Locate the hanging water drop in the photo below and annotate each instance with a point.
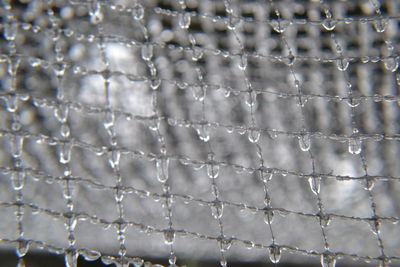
(243, 61)
(305, 142)
(10, 31)
(251, 98)
(96, 16)
(268, 215)
(391, 64)
(199, 92)
(353, 102)
(327, 260)
(162, 169)
(172, 259)
(232, 22)
(225, 244)
(342, 64)
(147, 52)
(23, 247)
(217, 209)
(370, 184)
(59, 68)
(90, 255)
(315, 184)
(18, 180)
(71, 258)
(169, 237)
(11, 103)
(137, 11)
(203, 132)
(109, 119)
(212, 167)
(21, 262)
(279, 26)
(290, 59)
(61, 113)
(197, 53)
(65, 153)
(114, 157)
(325, 220)
(223, 263)
(275, 254)
(380, 25)
(17, 146)
(329, 24)
(355, 146)
(254, 135)
(65, 131)
(184, 20)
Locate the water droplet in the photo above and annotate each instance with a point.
(114, 157)
(342, 64)
(329, 24)
(273, 134)
(197, 53)
(109, 119)
(305, 142)
(90, 255)
(155, 83)
(249, 244)
(223, 263)
(275, 254)
(172, 259)
(96, 16)
(268, 216)
(71, 258)
(254, 135)
(355, 146)
(327, 260)
(370, 184)
(225, 244)
(212, 167)
(290, 59)
(251, 98)
(391, 64)
(137, 262)
(147, 52)
(65, 131)
(243, 61)
(65, 153)
(59, 68)
(10, 31)
(21, 262)
(61, 113)
(35, 62)
(169, 237)
(199, 92)
(380, 25)
(17, 146)
(203, 131)
(23, 247)
(11, 103)
(325, 219)
(13, 66)
(232, 22)
(315, 184)
(18, 180)
(137, 11)
(184, 20)
(217, 209)
(279, 26)
(162, 169)
(353, 102)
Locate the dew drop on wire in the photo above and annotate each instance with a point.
(275, 254)
(147, 52)
(325, 220)
(254, 135)
(342, 64)
(71, 258)
(137, 11)
(315, 184)
(197, 53)
(22, 248)
(114, 157)
(243, 61)
(212, 167)
(251, 98)
(217, 209)
(90, 255)
(96, 15)
(162, 165)
(355, 146)
(328, 260)
(268, 216)
(391, 64)
(65, 153)
(203, 132)
(65, 131)
(199, 92)
(184, 20)
(17, 146)
(329, 24)
(305, 142)
(18, 180)
(169, 237)
(380, 25)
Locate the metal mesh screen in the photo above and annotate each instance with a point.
(226, 130)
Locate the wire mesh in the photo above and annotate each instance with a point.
(219, 130)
